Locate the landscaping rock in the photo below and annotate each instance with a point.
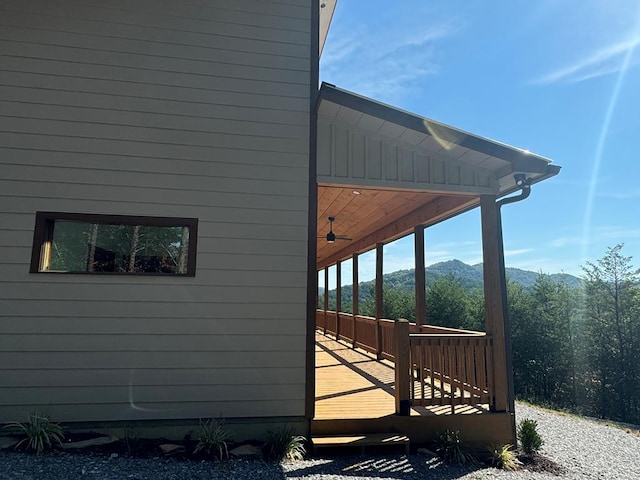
(92, 442)
(426, 452)
(246, 450)
(8, 442)
(171, 449)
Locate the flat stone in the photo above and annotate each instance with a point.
(171, 449)
(246, 450)
(8, 442)
(426, 452)
(92, 442)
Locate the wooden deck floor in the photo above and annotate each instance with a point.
(351, 384)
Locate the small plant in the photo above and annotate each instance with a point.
(40, 432)
(212, 439)
(451, 449)
(504, 456)
(282, 445)
(130, 438)
(529, 438)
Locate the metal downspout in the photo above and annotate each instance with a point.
(526, 191)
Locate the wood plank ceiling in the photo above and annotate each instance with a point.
(369, 216)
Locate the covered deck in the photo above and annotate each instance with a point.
(353, 384)
(383, 174)
(356, 389)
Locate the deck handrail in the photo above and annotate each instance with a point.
(373, 335)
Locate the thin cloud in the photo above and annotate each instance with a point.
(561, 242)
(621, 195)
(513, 253)
(604, 61)
(606, 234)
(617, 234)
(453, 245)
(544, 265)
(384, 62)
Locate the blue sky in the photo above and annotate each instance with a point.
(558, 77)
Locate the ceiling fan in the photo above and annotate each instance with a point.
(332, 237)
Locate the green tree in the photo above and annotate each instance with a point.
(447, 304)
(523, 342)
(398, 302)
(474, 319)
(611, 296)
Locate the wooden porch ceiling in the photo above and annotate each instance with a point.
(374, 215)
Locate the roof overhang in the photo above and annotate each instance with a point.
(343, 109)
(407, 171)
(327, 7)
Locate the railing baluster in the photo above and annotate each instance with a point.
(421, 377)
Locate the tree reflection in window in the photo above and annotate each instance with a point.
(115, 244)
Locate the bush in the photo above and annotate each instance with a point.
(528, 436)
(131, 439)
(212, 439)
(282, 445)
(449, 446)
(40, 432)
(504, 456)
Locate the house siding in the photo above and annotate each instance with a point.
(186, 108)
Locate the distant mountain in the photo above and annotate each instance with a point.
(470, 276)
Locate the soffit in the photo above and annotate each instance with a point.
(327, 7)
(433, 138)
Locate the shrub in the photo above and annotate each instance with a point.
(212, 439)
(504, 456)
(131, 439)
(528, 436)
(40, 432)
(449, 446)
(282, 445)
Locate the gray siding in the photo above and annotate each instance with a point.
(185, 108)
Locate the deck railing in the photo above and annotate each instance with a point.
(451, 369)
(436, 365)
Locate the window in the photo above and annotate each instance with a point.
(114, 244)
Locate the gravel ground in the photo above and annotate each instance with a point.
(584, 448)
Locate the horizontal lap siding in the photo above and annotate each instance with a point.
(186, 108)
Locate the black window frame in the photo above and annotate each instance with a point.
(43, 235)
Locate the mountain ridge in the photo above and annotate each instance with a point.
(470, 276)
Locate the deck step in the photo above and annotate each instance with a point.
(362, 440)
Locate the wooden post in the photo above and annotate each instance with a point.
(356, 292)
(421, 296)
(317, 304)
(403, 384)
(326, 297)
(338, 297)
(495, 300)
(379, 298)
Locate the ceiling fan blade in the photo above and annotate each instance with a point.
(343, 237)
